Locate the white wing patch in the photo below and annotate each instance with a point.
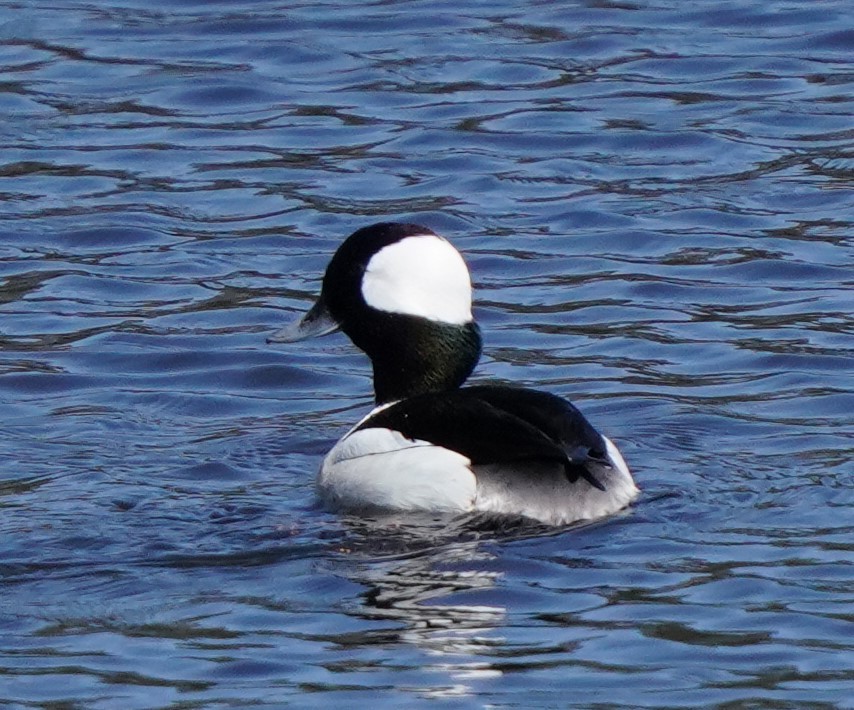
(420, 276)
(381, 468)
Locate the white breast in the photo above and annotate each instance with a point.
(380, 468)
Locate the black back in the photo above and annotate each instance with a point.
(497, 424)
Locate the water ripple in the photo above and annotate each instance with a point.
(655, 203)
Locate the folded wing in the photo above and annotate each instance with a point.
(498, 425)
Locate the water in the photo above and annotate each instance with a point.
(656, 203)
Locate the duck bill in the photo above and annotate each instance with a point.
(318, 321)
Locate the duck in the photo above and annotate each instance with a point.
(403, 295)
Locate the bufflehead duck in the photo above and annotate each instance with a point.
(403, 295)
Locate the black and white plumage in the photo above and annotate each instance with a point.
(403, 296)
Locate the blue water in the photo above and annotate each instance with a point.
(656, 200)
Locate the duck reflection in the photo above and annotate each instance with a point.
(418, 572)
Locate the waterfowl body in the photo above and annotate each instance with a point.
(403, 296)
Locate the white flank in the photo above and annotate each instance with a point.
(420, 276)
(380, 468)
(542, 491)
(619, 462)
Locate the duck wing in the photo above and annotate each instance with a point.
(498, 424)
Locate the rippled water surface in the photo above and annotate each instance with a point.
(656, 202)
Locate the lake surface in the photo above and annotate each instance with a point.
(656, 200)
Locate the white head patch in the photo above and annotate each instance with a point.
(420, 276)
